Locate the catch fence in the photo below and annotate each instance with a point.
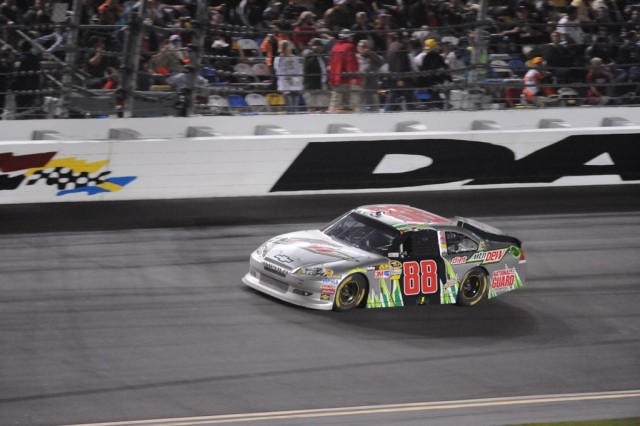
(138, 69)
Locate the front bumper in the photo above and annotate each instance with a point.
(284, 292)
(307, 295)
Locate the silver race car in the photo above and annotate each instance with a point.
(388, 256)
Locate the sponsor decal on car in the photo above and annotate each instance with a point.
(325, 297)
(395, 264)
(327, 289)
(382, 274)
(334, 281)
(380, 296)
(459, 260)
(485, 257)
(278, 270)
(283, 258)
(504, 280)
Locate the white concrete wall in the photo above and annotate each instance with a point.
(238, 163)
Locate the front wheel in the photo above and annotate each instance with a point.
(350, 293)
(472, 288)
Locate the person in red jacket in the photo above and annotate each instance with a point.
(343, 78)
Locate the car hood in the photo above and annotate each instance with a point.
(310, 248)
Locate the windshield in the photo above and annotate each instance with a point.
(362, 232)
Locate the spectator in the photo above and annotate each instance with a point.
(9, 12)
(36, 15)
(633, 23)
(400, 68)
(304, 30)
(271, 13)
(98, 64)
(271, 42)
(560, 58)
(628, 56)
(570, 28)
(54, 42)
(171, 57)
(338, 16)
(291, 12)
(362, 29)
(533, 94)
(448, 16)
(603, 25)
(599, 48)
(6, 67)
(344, 83)
(600, 82)
(179, 81)
(27, 79)
(383, 28)
(288, 69)
(524, 29)
(433, 71)
(584, 11)
(423, 13)
(316, 94)
(369, 63)
(454, 61)
(250, 13)
(110, 12)
(156, 14)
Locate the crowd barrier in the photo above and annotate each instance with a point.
(195, 157)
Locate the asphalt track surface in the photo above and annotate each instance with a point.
(116, 312)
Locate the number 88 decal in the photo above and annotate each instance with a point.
(421, 278)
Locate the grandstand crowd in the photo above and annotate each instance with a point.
(332, 55)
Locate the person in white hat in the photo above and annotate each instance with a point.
(343, 74)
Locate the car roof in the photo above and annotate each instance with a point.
(403, 217)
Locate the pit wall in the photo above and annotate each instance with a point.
(162, 158)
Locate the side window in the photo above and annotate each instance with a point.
(423, 245)
(459, 243)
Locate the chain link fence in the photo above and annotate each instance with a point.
(203, 66)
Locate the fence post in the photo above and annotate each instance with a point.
(479, 52)
(199, 25)
(70, 56)
(129, 70)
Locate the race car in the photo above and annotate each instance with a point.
(388, 255)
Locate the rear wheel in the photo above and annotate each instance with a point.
(473, 287)
(350, 293)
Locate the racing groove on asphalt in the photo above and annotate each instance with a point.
(138, 312)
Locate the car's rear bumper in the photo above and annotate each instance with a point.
(283, 291)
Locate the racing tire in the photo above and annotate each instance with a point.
(350, 293)
(473, 287)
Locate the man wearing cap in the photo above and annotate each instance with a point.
(532, 93)
(343, 78)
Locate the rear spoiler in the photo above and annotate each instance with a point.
(485, 231)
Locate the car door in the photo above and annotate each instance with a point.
(423, 269)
